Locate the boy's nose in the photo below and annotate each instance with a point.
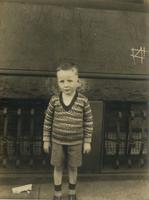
(65, 84)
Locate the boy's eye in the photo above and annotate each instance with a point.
(69, 81)
(61, 81)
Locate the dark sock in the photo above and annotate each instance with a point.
(72, 188)
(58, 190)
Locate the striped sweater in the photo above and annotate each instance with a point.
(68, 125)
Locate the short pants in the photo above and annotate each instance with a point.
(66, 155)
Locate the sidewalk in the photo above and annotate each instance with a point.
(88, 189)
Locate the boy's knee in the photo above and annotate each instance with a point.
(72, 168)
(58, 168)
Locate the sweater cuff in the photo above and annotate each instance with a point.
(46, 140)
(46, 137)
(87, 140)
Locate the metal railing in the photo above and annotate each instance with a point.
(21, 134)
(126, 137)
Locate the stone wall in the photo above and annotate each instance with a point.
(95, 89)
(37, 37)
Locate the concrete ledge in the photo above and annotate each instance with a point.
(94, 177)
(92, 75)
(138, 6)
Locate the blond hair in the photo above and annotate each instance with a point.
(67, 66)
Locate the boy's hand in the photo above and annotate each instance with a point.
(86, 148)
(46, 146)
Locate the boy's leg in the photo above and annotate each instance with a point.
(58, 172)
(74, 161)
(72, 172)
(57, 160)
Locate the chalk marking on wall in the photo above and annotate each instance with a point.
(138, 54)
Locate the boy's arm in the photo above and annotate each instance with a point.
(88, 127)
(47, 127)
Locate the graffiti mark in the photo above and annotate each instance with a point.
(138, 54)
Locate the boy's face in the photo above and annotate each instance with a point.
(67, 81)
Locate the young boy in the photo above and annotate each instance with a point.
(68, 128)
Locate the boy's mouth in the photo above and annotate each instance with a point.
(67, 90)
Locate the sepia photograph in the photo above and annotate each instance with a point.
(74, 99)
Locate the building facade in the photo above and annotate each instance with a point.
(109, 42)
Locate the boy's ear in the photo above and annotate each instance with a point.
(79, 82)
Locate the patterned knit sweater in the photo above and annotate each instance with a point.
(68, 125)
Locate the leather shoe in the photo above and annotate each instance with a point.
(72, 197)
(57, 198)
